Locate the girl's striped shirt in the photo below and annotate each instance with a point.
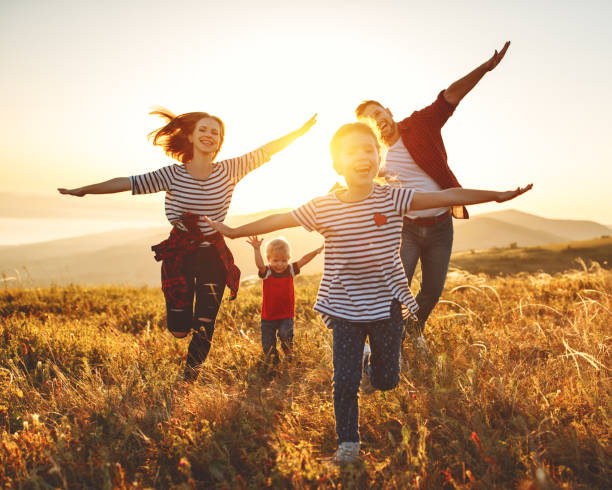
(209, 197)
(363, 270)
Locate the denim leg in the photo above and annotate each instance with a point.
(268, 337)
(410, 249)
(349, 340)
(285, 334)
(435, 258)
(385, 342)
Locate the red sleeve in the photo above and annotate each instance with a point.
(435, 115)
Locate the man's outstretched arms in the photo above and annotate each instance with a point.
(459, 89)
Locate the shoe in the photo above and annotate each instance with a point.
(347, 453)
(365, 386)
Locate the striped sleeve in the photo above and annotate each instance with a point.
(401, 197)
(238, 167)
(156, 181)
(306, 216)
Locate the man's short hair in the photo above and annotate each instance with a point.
(361, 107)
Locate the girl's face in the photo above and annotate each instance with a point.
(358, 159)
(206, 136)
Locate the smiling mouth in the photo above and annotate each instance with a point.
(207, 142)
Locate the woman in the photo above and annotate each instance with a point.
(196, 260)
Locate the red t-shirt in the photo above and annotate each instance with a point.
(278, 295)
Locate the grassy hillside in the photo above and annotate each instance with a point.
(551, 259)
(517, 393)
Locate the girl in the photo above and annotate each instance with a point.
(196, 259)
(363, 285)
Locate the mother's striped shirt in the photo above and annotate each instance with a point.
(209, 197)
(363, 270)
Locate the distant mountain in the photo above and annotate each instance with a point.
(125, 257)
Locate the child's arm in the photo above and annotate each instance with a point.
(308, 257)
(458, 197)
(277, 145)
(260, 227)
(255, 242)
(118, 184)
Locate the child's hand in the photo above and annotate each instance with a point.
(255, 242)
(506, 196)
(220, 227)
(72, 192)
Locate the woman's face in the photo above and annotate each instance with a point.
(206, 136)
(358, 159)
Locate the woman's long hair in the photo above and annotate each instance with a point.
(174, 136)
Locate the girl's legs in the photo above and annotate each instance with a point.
(385, 342)
(209, 288)
(349, 339)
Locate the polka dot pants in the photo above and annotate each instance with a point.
(349, 339)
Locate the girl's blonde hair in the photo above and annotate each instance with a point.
(174, 136)
(279, 244)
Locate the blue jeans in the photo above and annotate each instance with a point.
(433, 246)
(349, 339)
(270, 329)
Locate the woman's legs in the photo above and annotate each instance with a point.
(209, 288)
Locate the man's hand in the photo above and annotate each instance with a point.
(255, 242)
(506, 196)
(497, 57)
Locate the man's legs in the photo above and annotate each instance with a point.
(435, 257)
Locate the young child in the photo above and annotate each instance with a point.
(278, 299)
(363, 284)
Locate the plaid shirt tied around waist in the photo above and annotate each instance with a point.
(172, 251)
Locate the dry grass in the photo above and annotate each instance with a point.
(516, 394)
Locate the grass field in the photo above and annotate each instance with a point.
(516, 394)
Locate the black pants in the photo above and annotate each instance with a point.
(205, 275)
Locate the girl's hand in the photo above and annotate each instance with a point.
(220, 227)
(506, 196)
(79, 192)
(255, 242)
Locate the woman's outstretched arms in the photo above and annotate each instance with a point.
(462, 197)
(277, 145)
(260, 227)
(118, 184)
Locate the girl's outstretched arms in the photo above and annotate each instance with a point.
(261, 226)
(118, 184)
(277, 145)
(462, 197)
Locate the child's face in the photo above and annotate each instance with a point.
(358, 159)
(278, 260)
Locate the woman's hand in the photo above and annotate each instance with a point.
(507, 195)
(306, 127)
(255, 242)
(220, 227)
(79, 192)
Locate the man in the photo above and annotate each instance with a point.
(417, 158)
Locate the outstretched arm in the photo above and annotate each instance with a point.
(118, 184)
(308, 257)
(255, 242)
(261, 226)
(459, 89)
(462, 197)
(279, 144)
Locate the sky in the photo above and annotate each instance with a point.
(78, 79)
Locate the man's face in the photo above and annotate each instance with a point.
(382, 117)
